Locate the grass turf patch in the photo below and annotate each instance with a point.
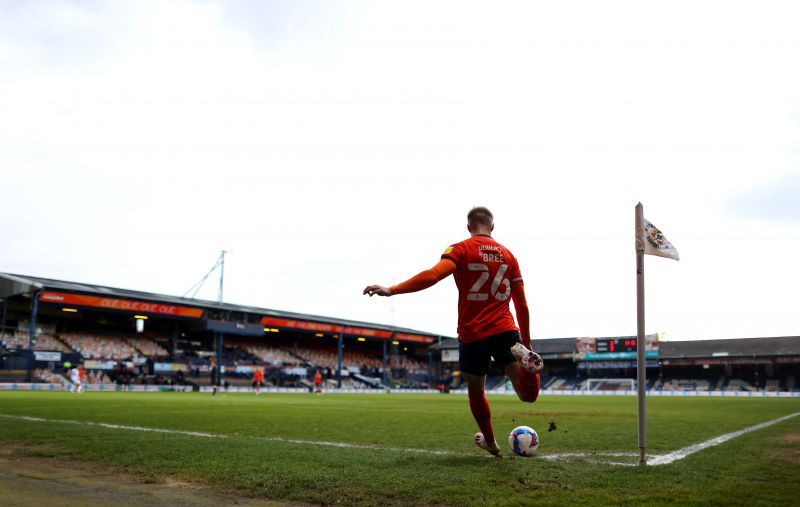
(755, 468)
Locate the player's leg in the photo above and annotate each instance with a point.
(479, 406)
(526, 383)
(474, 359)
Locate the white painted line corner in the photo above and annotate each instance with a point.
(674, 456)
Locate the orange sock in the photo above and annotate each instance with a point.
(529, 385)
(481, 412)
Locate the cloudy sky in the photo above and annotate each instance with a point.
(330, 145)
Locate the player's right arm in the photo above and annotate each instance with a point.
(418, 282)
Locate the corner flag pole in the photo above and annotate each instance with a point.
(641, 378)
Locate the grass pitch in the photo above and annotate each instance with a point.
(261, 452)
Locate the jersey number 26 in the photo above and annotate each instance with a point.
(475, 293)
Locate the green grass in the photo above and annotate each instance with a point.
(762, 467)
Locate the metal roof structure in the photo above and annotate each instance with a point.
(14, 284)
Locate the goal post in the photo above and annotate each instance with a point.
(627, 384)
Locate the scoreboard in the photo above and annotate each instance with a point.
(617, 347)
(603, 345)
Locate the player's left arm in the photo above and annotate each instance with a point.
(418, 282)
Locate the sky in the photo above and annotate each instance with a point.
(331, 145)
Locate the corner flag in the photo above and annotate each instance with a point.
(655, 243)
(650, 241)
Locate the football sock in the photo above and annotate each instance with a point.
(480, 411)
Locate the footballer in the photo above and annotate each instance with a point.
(488, 278)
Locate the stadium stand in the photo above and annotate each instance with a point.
(19, 340)
(45, 376)
(733, 365)
(265, 353)
(147, 347)
(291, 347)
(99, 347)
(98, 377)
(327, 357)
(740, 385)
(348, 383)
(95, 324)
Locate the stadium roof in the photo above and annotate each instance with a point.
(12, 284)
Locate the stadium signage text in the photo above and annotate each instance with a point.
(323, 327)
(119, 304)
(46, 356)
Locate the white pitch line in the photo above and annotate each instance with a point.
(592, 457)
(686, 451)
(114, 426)
(567, 455)
(148, 429)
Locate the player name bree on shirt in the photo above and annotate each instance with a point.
(491, 257)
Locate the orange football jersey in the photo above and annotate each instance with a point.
(485, 270)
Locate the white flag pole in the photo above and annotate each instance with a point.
(641, 378)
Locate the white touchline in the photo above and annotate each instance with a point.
(113, 426)
(686, 451)
(345, 445)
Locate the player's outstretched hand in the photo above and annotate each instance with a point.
(377, 290)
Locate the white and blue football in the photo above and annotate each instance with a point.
(524, 441)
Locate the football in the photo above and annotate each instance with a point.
(524, 441)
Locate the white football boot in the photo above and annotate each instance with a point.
(492, 448)
(528, 359)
